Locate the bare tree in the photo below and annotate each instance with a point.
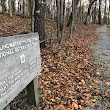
(87, 21)
(39, 20)
(99, 14)
(76, 2)
(105, 13)
(3, 2)
(72, 27)
(11, 4)
(30, 8)
(20, 7)
(109, 14)
(25, 8)
(82, 12)
(95, 12)
(60, 19)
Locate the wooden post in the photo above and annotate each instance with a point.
(33, 92)
(7, 108)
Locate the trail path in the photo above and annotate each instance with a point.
(101, 54)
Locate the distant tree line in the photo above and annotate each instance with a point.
(17, 7)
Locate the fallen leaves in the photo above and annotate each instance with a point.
(12, 26)
(75, 105)
(66, 81)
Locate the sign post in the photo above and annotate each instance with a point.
(19, 64)
(33, 93)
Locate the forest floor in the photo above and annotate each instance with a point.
(12, 26)
(68, 80)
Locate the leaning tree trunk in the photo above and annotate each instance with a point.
(39, 20)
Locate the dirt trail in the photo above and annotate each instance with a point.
(101, 53)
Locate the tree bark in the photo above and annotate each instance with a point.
(25, 9)
(87, 21)
(32, 14)
(3, 6)
(105, 13)
(82, 13)
(29, 8)
(76, 2)
(39, 20)
(10, 8)
(99, 15)
(20, 7)
(109, 15)
(60, 19)
(95, 12)
(72, 27)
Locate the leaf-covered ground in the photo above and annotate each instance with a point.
(68, 79)
(12, 26)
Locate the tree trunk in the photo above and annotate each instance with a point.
(20, 7)
(39, 20)
(10, 8)
(60, 19)
(76, 2)
(3, 6)
(29, 8)
(99, 15)
(32, 14)
(46, 8)
(87, 21)
(105, 13)
(72, 27)
(80, 19)
(109, 15)
(25, 8)
(95, 13)
(82, 13)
